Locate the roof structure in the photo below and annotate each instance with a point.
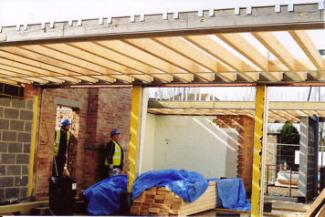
(278, 111)
(200, 47)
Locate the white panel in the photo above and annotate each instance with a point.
(194, 143)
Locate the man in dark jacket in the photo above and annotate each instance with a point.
(61, 148)
(114, 155)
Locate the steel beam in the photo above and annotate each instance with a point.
(135, 128)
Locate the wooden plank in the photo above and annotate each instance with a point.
(304, 16)
(130, 51)
(317, 205)
(23, 208)
(186, 49)
(297, 76)
(103, 51)
(160, 51)
(206, 43)
(29, 73)
(105, 66)
(28, 68)
(308, 47)
(27, 60)
(276, 48)
(14, 75)
(241, 45)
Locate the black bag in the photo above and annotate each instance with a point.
(62, 190)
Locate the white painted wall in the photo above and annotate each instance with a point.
(148, 144)
(190, 142)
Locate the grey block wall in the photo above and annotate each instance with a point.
(308, 169)
(16, 117)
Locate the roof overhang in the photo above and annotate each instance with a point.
(168, 48)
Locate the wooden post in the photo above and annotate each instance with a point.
(33, 145)
(260, 134)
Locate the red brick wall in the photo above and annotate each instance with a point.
(245, 128)
(100, 110)
(113, 111)
(44, 155)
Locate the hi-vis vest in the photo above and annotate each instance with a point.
(57, 142)
(117, 157)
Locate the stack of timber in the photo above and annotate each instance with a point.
(163, 202)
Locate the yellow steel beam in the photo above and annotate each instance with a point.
(33, 145)
(259, 140)
(134, 132)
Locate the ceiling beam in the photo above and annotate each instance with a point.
(103, 51)
(154, 48)
(268, 40)
(304, 16)
(206, 43)
(35, 59)
(132, 52)
(241, 45)
(309, 48)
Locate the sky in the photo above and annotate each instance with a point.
(13, 12)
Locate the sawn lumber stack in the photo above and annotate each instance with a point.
(163, 202)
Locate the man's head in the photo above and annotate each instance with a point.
(115, 135)
(65, 124)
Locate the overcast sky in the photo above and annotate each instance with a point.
(13, 12)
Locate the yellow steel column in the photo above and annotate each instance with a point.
(134, 133)
(259, 139)
(33, 145)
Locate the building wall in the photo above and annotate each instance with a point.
(99, 110)
(16, 117)
(244, 125)
(147, 155)
(190, 142)
(50, 98)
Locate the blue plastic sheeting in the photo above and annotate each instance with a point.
(232, 194)
(104, 196)
(186, 184)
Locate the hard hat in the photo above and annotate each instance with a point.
(115, 132)
(65, 122)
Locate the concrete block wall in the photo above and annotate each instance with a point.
(16, 117)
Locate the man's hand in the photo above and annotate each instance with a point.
(66, 172)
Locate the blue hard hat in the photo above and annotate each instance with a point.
(65, 122)
(115, 132)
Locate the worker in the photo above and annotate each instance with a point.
(61, 149)
(114, 155)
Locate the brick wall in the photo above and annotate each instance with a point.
(16, 117)
(245, 127)
(44, 155)
(99, 111)
(109, 108)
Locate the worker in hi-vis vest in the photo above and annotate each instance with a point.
(113, 155)
(61, 149)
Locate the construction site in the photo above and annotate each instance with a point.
(210, 112)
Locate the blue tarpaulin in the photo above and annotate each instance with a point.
(232, 194)
(188, 185)
(104, 196)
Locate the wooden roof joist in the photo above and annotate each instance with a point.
(278, 111)
(191, 48)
